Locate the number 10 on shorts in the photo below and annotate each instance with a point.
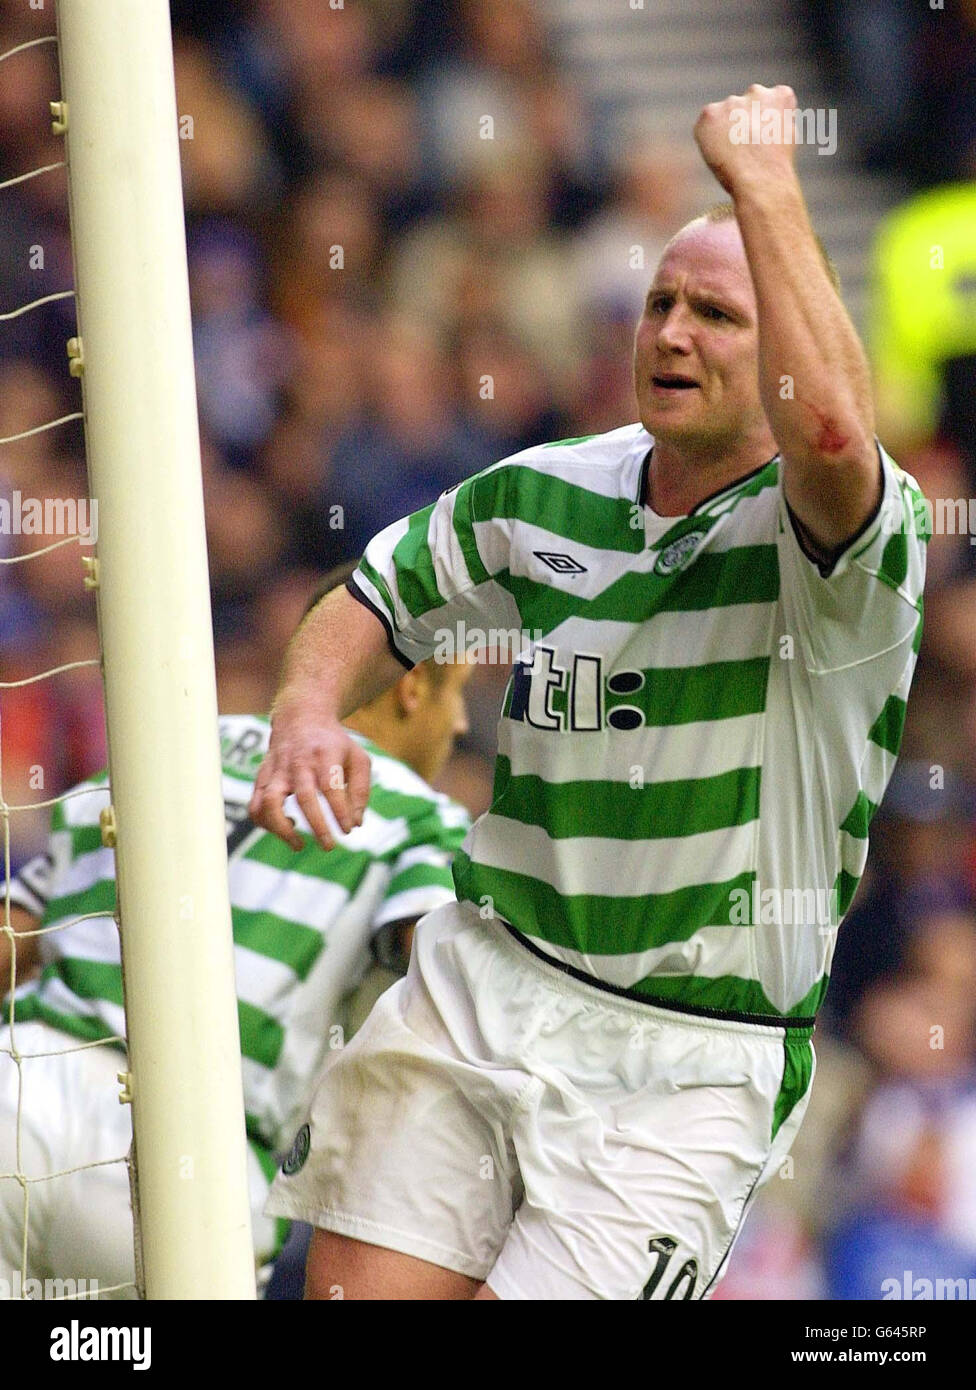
(663, 1247)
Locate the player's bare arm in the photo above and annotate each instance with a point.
(813, 374)
(338, 660)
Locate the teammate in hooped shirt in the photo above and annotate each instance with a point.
(307, 928)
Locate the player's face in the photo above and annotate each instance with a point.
(696, 364)
(445, 717)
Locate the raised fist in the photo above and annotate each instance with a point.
(749, 138)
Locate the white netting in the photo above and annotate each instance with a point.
(33, 1275)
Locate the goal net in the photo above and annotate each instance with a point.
(147, 569)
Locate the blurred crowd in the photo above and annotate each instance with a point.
(880, 1190)
(414, 249)
(909, 70)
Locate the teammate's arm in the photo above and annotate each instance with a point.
(813, 373)
(338, 660)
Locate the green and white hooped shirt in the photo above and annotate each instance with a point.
(700, 726)
(304, 923)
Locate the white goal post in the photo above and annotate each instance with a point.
(136, 362)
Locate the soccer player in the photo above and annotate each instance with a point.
(604, 1047)
(307, 927)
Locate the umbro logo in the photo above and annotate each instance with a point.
(562, 564)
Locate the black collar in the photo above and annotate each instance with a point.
(728, 487)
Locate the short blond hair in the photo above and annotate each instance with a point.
(725, 212)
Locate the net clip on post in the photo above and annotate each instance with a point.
(59, 117)
(90, 565)
(106, 822)
(76, 356)
(124, 1079)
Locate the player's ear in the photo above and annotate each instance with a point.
(408, 692)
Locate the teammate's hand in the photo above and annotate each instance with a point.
(750, 137)
(310, 755)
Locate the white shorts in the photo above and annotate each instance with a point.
(79, 1225)
(499, 1118)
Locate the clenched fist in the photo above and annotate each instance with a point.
(750, 138)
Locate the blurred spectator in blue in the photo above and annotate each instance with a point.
(914, 1220)
(498, 84)
(228, 165)
(327, 246)
(28, 398)
(869, 54)
(413, 32)
(324, 398)
(504, 390)
(496, 257)
(242, 358)
(921, 843)
(560, 126)
(246, 540)
(918, 1023)
(909, 71)
(372, 132)
(293, 59)
(35, 250)
(884, 1253)
(410, 442)
(909, 1176)
(603, 389)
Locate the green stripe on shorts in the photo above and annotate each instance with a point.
(797, 1071)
